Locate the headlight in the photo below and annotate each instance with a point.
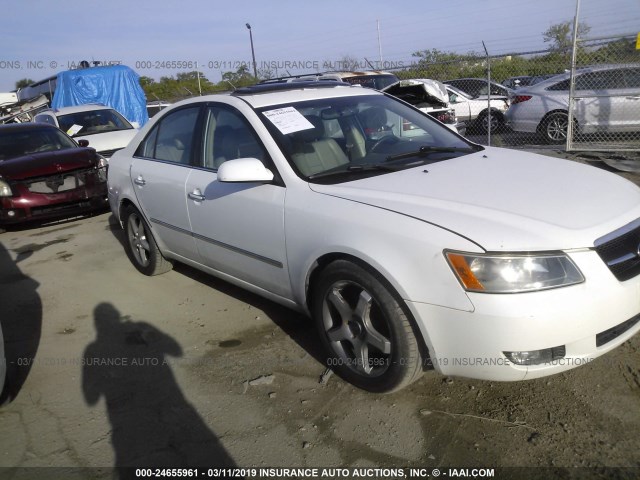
(103, 162)
(513, 272)
(5, 189)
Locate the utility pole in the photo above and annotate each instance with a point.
(253, 53)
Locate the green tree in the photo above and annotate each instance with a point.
(560, 35)
(240, 78)
(23, 82)
(146, 81)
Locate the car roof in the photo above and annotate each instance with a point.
(298, 92)
(9, 127)
(264, 95)
(361, 73)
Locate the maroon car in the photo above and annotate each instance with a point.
(44, 175)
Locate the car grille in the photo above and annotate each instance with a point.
(605, 337)
(62, 182)
(620, 250)
(61, 208)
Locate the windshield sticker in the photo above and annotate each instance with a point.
(74, 129)
(288, 120)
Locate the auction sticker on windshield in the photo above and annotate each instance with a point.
(288, 120)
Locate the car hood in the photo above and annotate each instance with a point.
(47, 163)
(504, 200)
(108, 140)
(419, 90)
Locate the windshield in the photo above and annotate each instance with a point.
(92, 121)
(341, 139)
(18, 143)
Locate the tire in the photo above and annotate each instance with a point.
(141, 247)
(497, 121)
(365, 328)
(554, 128)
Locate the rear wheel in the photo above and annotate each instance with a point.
(497, 121)
(554, 128)
(141, 246)
(365, 329)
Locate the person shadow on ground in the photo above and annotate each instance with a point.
(152, 424)
(20, 324)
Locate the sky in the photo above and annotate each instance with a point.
(43, 37)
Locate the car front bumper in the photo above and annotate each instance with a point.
(580, 321)
(27, 206)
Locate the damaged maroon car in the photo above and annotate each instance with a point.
(45, 175)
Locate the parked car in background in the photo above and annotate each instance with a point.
(407, 252)
(608, 101)
(475, 112)
(45, 175)
(375, 79)
(477, 87)
(517, 82)
(541, 78)
(431, 97)
(103, 127)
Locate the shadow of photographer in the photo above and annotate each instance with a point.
(152, 423)
(20, 323)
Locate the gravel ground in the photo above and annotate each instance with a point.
(210, 373)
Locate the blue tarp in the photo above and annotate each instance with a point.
(116, 86)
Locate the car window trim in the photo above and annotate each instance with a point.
(277, 178)
(157, 126)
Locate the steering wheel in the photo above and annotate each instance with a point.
(390, 139)
(43, 148)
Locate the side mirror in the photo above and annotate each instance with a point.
(244, 170)
(83, 143)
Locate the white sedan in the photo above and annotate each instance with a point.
(606, 102)
(409, 253)
(478, 111)
(101, 127)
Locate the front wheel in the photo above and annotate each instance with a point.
(141, 246)
(367, 333)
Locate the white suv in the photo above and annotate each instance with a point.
(103, 127)
(408, 253)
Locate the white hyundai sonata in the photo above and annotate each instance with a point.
(410, 247)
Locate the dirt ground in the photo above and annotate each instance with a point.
(118, 369)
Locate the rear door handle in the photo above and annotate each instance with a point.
(140, 181)
(196, 195)
(633, 98)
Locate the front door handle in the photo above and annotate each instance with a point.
(140, 181)
(196, 195)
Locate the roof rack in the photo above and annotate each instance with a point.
(281, 85)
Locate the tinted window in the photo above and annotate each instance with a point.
(173, 137)
(560, 86)
(228, 136)
(601, 80)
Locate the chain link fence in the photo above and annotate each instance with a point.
(537, 98)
